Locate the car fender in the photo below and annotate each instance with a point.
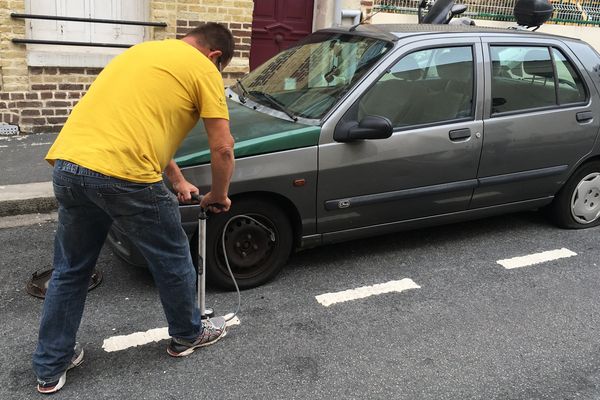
(287, 177)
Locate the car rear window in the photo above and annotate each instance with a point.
(570, 86)
(532, 77)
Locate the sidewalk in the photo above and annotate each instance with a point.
(25, 178)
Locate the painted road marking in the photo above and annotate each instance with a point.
(537, 258)
(328, 299)
(122, 342)
(231, 321)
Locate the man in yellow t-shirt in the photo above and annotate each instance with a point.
(108, 164)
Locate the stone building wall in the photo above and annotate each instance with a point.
(183, 15)
(39, 99)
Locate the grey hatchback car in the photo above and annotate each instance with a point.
(379, 128)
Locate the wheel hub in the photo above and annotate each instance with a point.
(247, 243)
(585, 202)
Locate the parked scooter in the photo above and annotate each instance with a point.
(442, 12)
(528, 13)
(532, 13)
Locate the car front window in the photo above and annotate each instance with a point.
(307, 80)
(424, 87)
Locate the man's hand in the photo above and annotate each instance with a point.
(184, 190)
(210, 200)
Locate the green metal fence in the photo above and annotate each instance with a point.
(571, 12)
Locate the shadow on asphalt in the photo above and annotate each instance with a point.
(414, 239)
(401, 241)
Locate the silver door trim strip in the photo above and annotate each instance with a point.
(370, 199)
(522, 176)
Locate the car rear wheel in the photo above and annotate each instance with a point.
(258, 241)
(577, 205)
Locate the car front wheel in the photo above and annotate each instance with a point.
(577, 205)
(258, 241)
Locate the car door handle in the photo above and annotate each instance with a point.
(459, 134)
(585, 116)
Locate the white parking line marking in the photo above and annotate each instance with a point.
(328, 299)
(537, 258)
(122, 342)
(233, 321)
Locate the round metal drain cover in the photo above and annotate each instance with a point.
(38, 283)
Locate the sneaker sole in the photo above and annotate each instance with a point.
(63, 378)
(192, 349)
(76, 362)
(61, 382)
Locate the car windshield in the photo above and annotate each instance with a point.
(308, 79)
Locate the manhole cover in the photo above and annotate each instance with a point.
(38, 283)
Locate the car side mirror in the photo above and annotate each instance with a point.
(370, 127)
(458, 9)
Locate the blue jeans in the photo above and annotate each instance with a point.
(89, 203)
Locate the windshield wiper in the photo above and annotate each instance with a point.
(244, 91)
(273, 102)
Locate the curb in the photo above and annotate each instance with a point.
(27, 198)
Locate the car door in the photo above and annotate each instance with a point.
(538, 123)
(428, 166)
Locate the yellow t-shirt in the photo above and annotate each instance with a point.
(138, 110)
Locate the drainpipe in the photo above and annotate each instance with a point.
(339, 14)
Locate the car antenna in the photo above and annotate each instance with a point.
(362, 21)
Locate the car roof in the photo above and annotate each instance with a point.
(394, 32)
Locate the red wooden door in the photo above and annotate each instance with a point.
(276, 25)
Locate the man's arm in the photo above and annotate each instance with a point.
(183, 188)
(222, 162)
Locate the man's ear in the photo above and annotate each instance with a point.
(215, 56)
(215, 53)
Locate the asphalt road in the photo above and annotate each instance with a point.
(473, 330)
(22, 158)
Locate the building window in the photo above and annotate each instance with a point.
(75, 56)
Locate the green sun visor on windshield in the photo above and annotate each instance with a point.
(254, 133)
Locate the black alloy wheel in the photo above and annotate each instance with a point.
(258, 241)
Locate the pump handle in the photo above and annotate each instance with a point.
(198, 199)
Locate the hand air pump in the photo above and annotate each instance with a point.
(201, 266)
